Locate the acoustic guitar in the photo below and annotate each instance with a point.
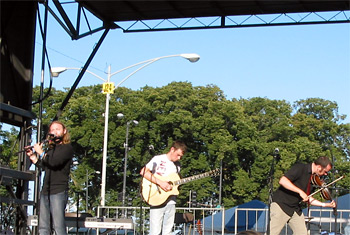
(154, 195)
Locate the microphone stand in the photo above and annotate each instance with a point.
(152, 154)
(336, 192)
(335, 212)
(271, 178)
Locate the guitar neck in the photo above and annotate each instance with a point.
(195, 177)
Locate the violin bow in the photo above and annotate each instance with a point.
(323, 187)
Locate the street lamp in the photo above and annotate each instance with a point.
(126, 146)
(109, 88)
(87, 187)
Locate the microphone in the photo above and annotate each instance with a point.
(151, 149)
(276, 154)
(53, 137)
(277, 151)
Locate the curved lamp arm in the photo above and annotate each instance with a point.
(55, 72)
(190, 57)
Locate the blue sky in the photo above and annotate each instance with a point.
(281, 62)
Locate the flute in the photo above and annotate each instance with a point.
(50, 137)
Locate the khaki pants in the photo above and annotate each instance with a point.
(279, 219)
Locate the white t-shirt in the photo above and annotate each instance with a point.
(161, 165)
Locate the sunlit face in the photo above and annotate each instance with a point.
(57, 129)
(175, 154)
(323, 170)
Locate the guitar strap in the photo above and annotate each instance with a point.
(308, 191)
(178, 167)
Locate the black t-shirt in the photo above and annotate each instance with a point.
(289, 201)
(57, 164)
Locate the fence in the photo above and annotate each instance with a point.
(324, 220)
(187, 220)
(206, 221)
(250, 219)
(319, 221)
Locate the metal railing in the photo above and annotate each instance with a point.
(212, 221)
(319, 220)
(250, 219)
(324, 220)
(195, 224)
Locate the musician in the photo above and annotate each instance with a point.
(162, 217)
(56, 162)
(295, 186)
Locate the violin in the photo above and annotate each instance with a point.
(325, 194)
(317, 181)
(324, 187)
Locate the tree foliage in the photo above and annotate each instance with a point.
(240, 134)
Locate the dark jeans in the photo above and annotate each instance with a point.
(53, 207)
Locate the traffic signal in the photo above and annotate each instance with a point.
(194, 199)
(129, 211)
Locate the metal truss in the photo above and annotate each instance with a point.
(81, 19)
(283, 19)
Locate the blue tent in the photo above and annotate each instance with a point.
(253, 220)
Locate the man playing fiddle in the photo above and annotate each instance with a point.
(295, 186)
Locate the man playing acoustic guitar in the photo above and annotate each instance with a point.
(162, 216)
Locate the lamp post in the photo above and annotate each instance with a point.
(87, 187)
(126, 146)
(109, 88)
